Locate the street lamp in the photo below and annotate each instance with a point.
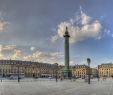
(25, 72)
(98, 73)
(18, 72)
(56, 71)
(88, 61)
(33, 73)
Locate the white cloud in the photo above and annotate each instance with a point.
(107, 31)
(72, 63)
(3, 25)
(17, 54)
(85, 19)
(32, 48)
(5, 48)
(9, 47)
(80, 28)
(1, 48)
(54, 38)
(1, 55)
(99, 37)
(53, 57)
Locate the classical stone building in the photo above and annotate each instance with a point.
(26, 68)
(83, 70)
(105, 70)
(80, 70)
(94, 72)
(37, 69)
(60, 70)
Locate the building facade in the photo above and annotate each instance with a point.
(94, 72)
(80, 70)
(105, 70)
(83, 70)
(26, 68)
(37, 69)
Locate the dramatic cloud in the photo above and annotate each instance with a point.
(17, 54)
(10, 52)
(80, 27)
(54, 57)
(6, 48)
(1, 55)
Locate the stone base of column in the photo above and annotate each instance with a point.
(67, 74)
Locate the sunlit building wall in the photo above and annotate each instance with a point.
(105, 70)
(80, 70)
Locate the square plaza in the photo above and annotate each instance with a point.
(51, 87)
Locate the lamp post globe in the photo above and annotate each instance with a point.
(88, 61)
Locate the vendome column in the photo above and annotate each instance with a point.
(66, 50)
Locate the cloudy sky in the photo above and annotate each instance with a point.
(33, 30)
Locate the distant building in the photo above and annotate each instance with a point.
(94, 72)
(38, 69)
(105, 70)
(60, 70)
(80, 70)
(83, 70)
(26, 68)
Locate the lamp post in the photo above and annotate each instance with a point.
(25, 72)
(33, 73)
(83, 73)
(98, 73)
(18, 72)
(56, 71)
(88, 61)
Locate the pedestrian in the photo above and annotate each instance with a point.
(112, 76)
(74, 78)
(61, 79)
(56, 79)
(98, 77)
(103, 78)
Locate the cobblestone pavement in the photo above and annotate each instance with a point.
(50, 87)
